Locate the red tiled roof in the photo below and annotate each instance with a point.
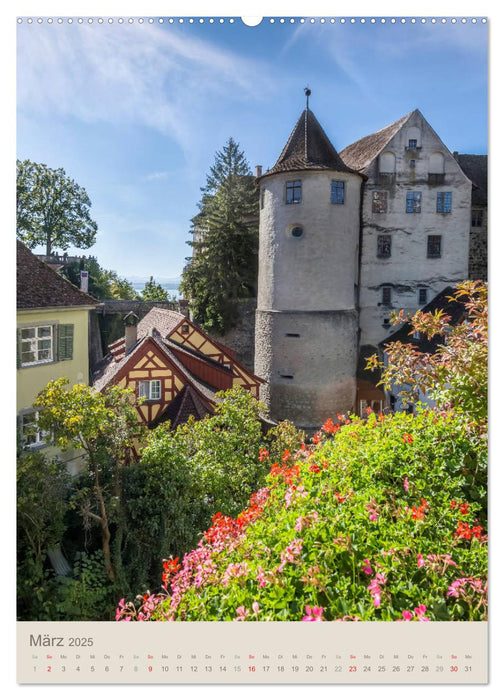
(39, 286)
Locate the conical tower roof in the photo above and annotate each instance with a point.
(308, 148)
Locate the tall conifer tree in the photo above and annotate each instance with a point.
(223, 268)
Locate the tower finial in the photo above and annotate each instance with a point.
(307, 92)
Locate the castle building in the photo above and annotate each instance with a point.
(344, 240)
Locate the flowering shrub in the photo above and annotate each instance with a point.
(363, 523)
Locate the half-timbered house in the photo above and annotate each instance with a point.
(177, 367)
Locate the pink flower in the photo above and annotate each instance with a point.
(367, 569)
(420, 613)
(260, 577)
(313, 614)
(407, 615)
(406, 484)
(372, 515)
(420, 560)
(255, 607)
(241, 612)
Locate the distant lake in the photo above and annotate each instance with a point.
(172, 288)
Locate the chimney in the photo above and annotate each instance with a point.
(258, 169)
(456, 155)
(130, 331)
(183, 305)
(84, 280)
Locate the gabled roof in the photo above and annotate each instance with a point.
(39, 286)
(108, 369)
(476, 169)
(445, 302)
(362, 152)
(308, 148)
(187, 403)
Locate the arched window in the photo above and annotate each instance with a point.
(387, 162)
(436, 163)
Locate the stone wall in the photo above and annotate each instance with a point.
(478, 251)
(241, 337)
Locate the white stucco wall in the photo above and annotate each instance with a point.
(317, 271)
(409, 267)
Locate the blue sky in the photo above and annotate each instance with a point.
(135, 112)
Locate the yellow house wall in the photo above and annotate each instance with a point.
(30, 380)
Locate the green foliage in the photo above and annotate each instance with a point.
(87, 594)
(456, 374)
(184, 476)
(42, 503)
(221, 451)
(52, 209)
(382, 519)
(106, 426)
(153, 291)
(103, 284)
(223, 268)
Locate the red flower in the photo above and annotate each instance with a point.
(407, 437)
(330, 427)
(464, 508)
(314, 468)
(263, 453)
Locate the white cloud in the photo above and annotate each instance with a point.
(139, 74)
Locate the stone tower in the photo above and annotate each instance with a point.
(306, 343)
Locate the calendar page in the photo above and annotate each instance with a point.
(251, 349)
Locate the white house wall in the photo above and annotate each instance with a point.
(408, 267)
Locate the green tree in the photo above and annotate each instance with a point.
(42, 503)
(122, 289)
(52, 209)
(153, 291)
(103, 284)
(223, 268)
(105, 426)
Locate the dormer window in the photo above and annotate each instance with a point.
(412, 143)
(293, 192)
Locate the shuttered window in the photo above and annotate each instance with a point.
(44, 343)
(65, 341)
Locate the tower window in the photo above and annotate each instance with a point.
(422, 295)
(412, 143)
(413, 202)
(292, 335)
(379, 205)
(384, 249)
(293, 192)
(434, 246)
(443, 202)
(297, 231)
(337, 192)
(386, 295)
(412, 163)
